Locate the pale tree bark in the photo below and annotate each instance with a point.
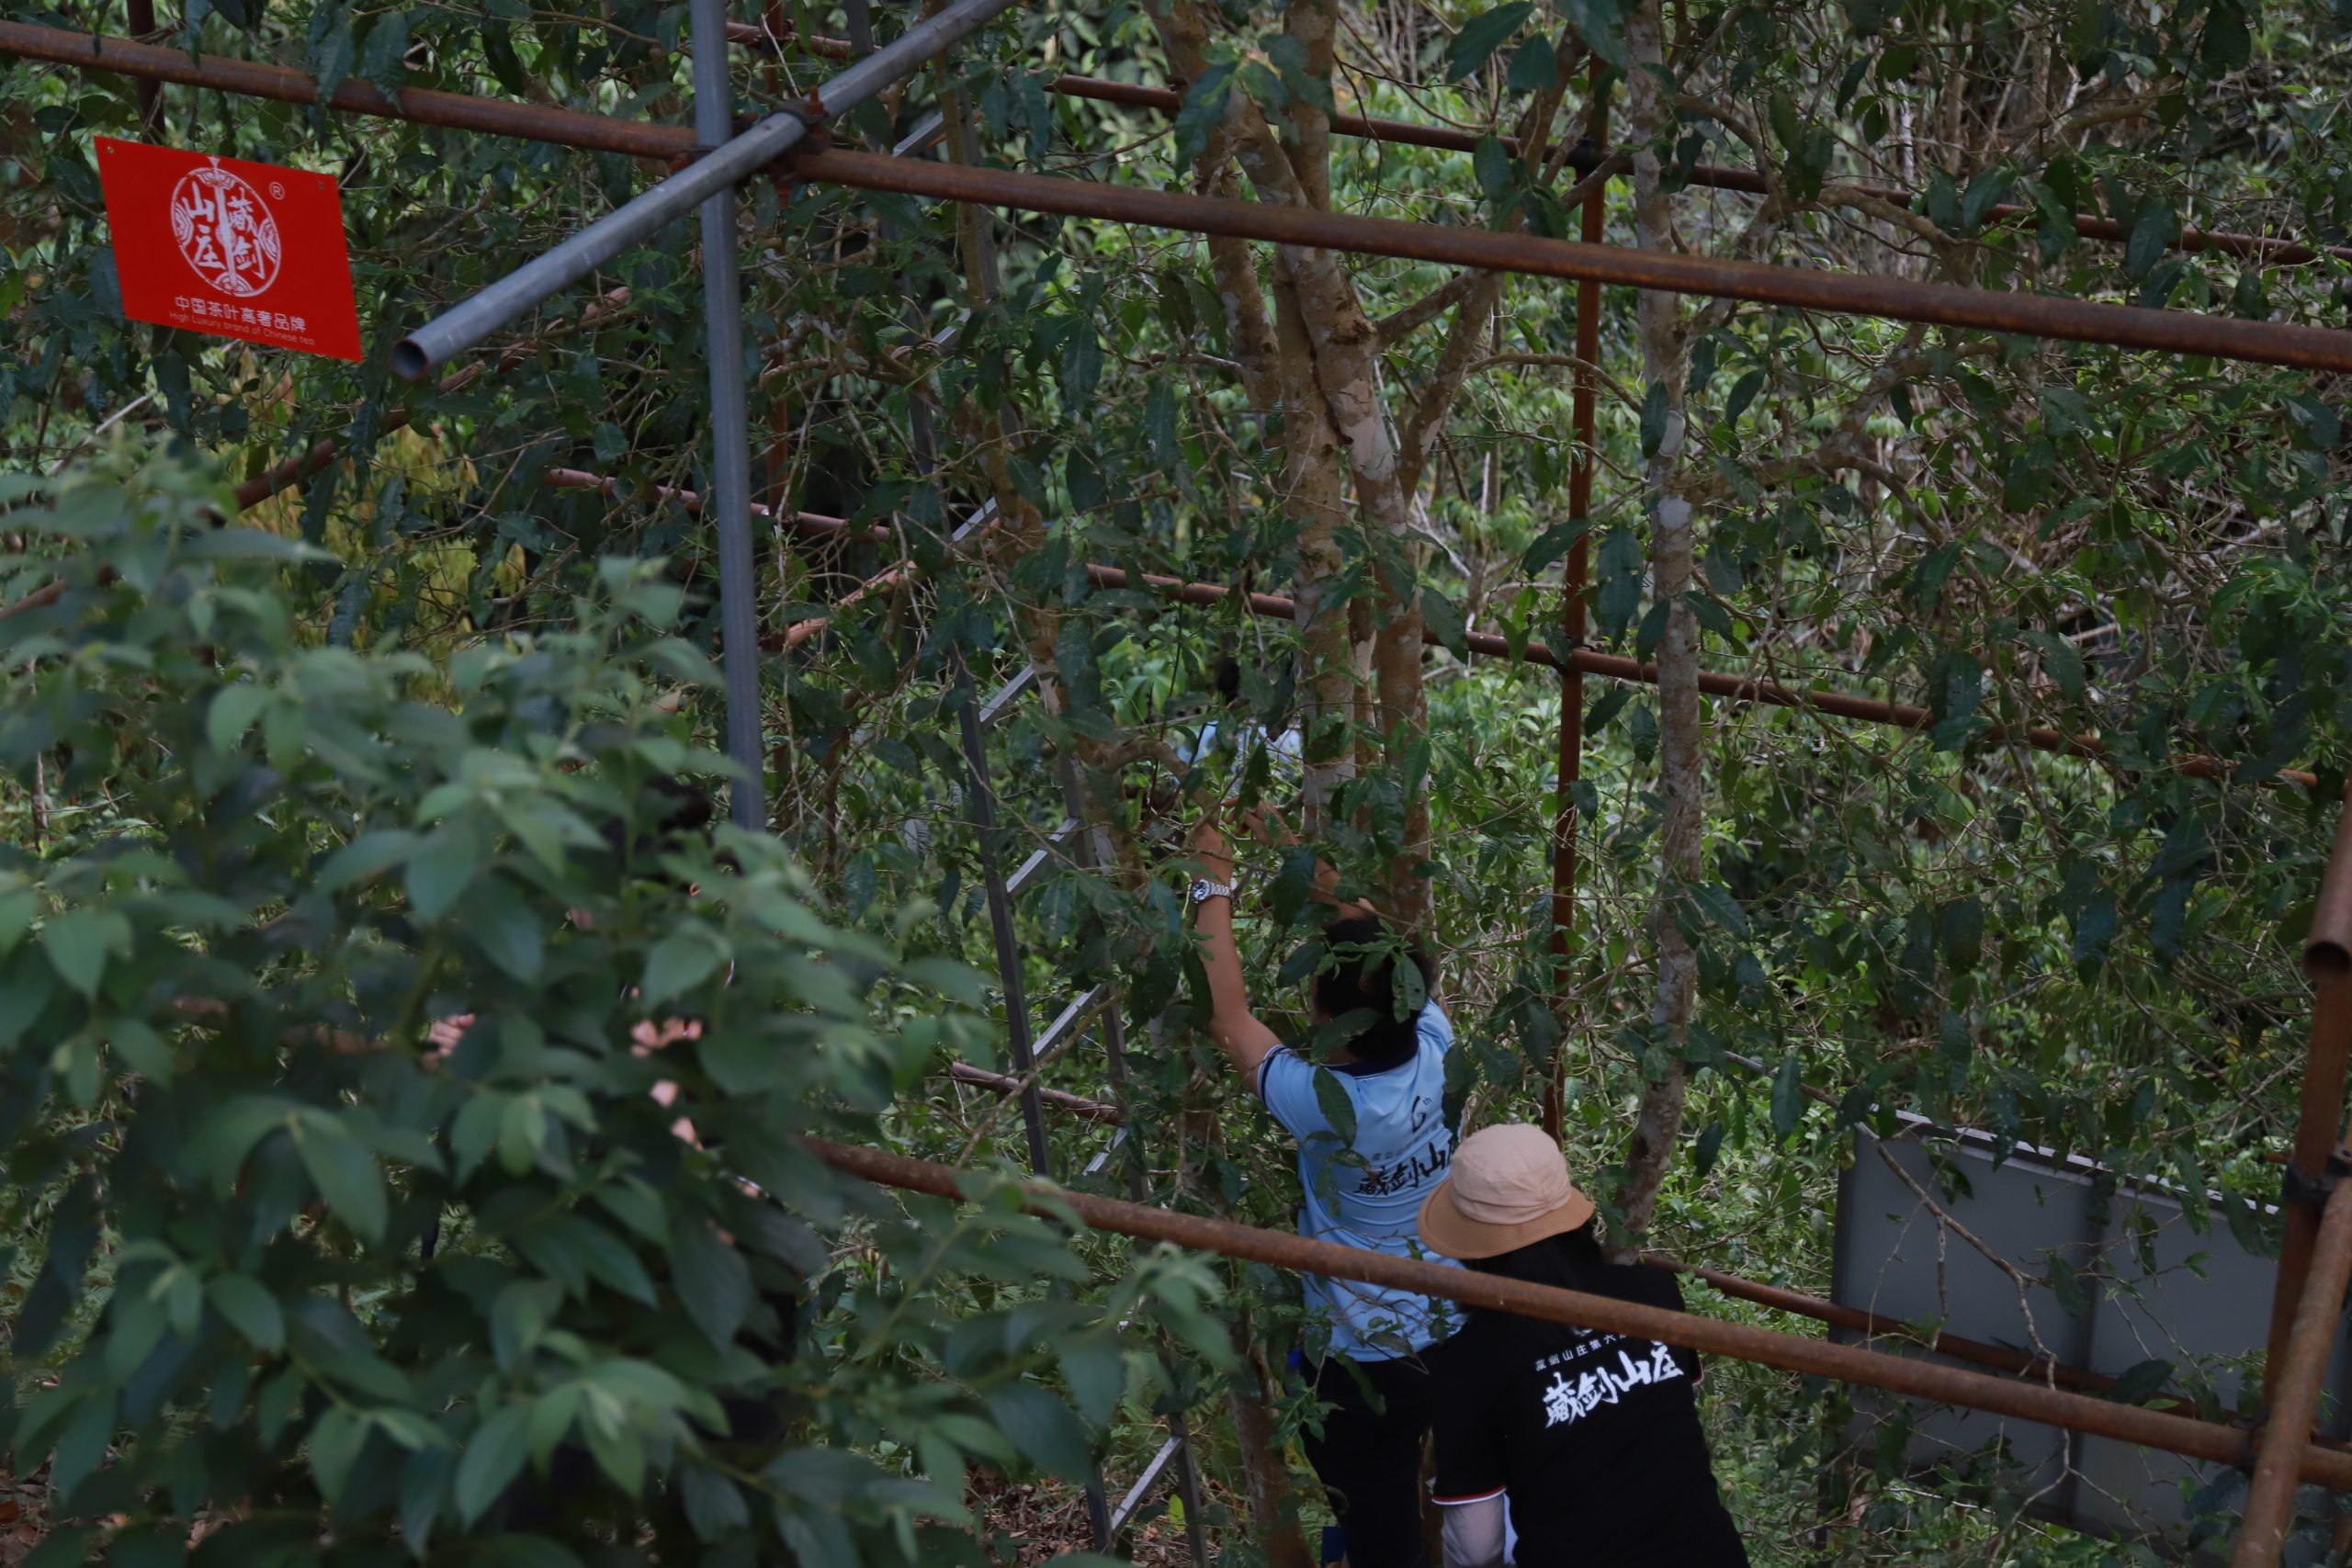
(1665, 354)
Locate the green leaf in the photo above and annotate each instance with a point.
(1656, 408)
(79, 942)
(1332, 1099)
(494, 1457)
(1043, 1428)
(1202, 108)
(690, 954)
(714, 1285)
(369, 855)
(1534, 66)
(2063, 661)
(1788, 1098)
(246, 1303)
(1605, 707)
(2139, 1380)
(440, 869)
(1445, 623)
(142, 1049)
(1743, 392)
(1096, 1366)
(1481, 36)
(1962, 932)
(217, 1151)
(714, 1506)
(347, 1175)
(1553, 543)
(233, 712)
(1601, 25)
(1984, 192)
(2158, 227)
(336, 1442)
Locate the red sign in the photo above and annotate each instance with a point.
(219, 245)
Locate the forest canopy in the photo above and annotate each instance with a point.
(344, 936)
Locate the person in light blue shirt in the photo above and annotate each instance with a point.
(1373, 1143)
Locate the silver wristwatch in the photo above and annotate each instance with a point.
(1203, 889)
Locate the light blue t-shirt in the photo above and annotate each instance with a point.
(1406, 1148)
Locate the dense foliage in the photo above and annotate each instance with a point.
(1785, 922)
(419, 1287)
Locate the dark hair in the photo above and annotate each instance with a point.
(1227, 679)
(1359, 975)
(1566, 1260)
(670, 810)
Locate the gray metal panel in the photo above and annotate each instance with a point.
(2191, 1298)
(1899, 1264)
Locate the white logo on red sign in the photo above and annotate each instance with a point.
(225, 231)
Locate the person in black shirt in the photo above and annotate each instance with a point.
(1586, 1444)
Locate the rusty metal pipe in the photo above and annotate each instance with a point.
(1451, 139)
(1894, 299)
(1993, 1358)
(1846, 1363)
(2126, 326)
(456, 112)
(1734, 688)
(610, 134)
(1583, 402)
(2319, 1121)
(2286, 1436)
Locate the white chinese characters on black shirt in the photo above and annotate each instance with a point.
(1595, 1437)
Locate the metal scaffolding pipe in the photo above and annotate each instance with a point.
(1806, 289)
(1451, 138)
(1734, 688)
(1792, 1352)
(730, 435)
(2286, 1436)
(1583, 408)
(2127, 326)
(2319, 1122)
(454, 111)
(1896, 299)
(635, 222)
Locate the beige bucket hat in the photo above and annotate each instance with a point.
(1509, 1186)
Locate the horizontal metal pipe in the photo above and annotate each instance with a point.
(1844, 1363)
(2270, 1496)
(1995, 1358)
(1735, 688)
(638, 219)
(1894, 299)
(456, 112)
(1451, 139)
(608, 133)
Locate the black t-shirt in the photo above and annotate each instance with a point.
(1595, 1436)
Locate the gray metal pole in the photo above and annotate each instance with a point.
(466, 324)
(982, 804)
(731, 431)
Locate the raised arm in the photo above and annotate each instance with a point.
(1245, 1041)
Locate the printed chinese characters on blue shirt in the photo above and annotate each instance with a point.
(1370, 1196)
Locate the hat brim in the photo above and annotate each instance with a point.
(1445, 1229)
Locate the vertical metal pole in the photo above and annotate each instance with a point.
(2270, 1497)
(151, 92)
(1093, 852)
(2328, 959)
(730, 435)
(982, 812)
(1571, 759)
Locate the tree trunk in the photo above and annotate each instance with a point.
(1658, 1122)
